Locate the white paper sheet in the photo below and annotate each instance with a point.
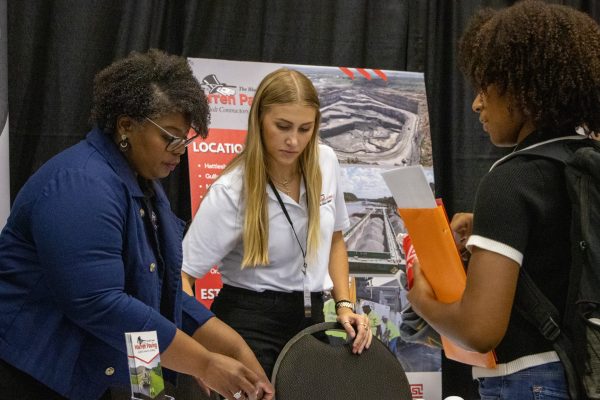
(410, 187)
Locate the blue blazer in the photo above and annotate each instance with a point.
(77, 271)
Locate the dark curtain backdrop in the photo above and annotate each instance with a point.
(56, 46)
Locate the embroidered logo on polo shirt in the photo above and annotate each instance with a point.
(326, 199)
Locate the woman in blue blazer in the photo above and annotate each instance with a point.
(91, 250)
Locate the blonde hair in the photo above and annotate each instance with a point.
(283, 86)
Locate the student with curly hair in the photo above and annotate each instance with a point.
(536, 71)
(92, 250)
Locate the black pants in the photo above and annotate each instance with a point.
(266, 320)
(17, 385)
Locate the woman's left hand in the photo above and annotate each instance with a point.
(357, 327)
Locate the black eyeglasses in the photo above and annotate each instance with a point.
(174, 143)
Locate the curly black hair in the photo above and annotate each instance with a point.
(545, 56)
(150, 85)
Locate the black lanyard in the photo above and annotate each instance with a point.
(287, 216)
(306, 291)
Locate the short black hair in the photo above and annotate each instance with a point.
(545, 56)
(149, 84)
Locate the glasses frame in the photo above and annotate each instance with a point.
(174, 142)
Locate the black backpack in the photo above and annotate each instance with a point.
(576, 338)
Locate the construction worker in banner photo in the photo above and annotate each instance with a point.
(374, 320)
(391, 333)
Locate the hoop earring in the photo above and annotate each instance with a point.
(124, 144)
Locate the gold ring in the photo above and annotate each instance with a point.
(363, 324)
(345, 322)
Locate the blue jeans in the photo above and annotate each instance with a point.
(545, 381)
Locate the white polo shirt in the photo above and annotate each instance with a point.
(215, 235)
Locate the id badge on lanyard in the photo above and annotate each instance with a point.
(307, 300)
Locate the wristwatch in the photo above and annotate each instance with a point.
(344, 304)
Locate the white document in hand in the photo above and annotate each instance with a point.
(410, 187)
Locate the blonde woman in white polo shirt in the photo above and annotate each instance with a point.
(273, 223)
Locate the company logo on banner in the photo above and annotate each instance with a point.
(425, 385)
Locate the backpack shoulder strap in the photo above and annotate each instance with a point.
(554, 150)
(561, 149)
(536, 308)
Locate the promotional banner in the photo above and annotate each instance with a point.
(374, 120)
(4, 159)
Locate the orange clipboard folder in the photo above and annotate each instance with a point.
(440, 261)
(433, 241)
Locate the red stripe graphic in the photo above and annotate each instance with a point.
(380, 74)
(364, 73)
(348, 72)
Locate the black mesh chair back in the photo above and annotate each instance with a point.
(311, 368)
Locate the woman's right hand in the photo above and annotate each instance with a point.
(421, 292)
(228, 376)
